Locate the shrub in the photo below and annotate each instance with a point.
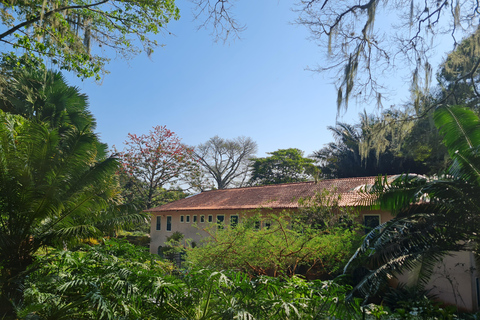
(285, 247)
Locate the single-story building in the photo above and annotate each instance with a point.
(189, 215)
(455, 279)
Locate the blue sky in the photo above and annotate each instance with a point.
(256, 87)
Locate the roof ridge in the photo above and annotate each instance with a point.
(291, 183)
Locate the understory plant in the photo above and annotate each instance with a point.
(117, 280)
(277, 245)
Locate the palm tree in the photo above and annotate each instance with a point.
(342, 158)
(433, 216)
(44, 96)
(54, 191)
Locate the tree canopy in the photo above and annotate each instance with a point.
(44, 96)
(282, 166)
(57, 184)
(152, 160)
(371, 147)
(367, 39)
(226, 161)
(76, 35)
(54, 190)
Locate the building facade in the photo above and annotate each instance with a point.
(192, 216)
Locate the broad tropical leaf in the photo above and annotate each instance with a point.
(434, 216)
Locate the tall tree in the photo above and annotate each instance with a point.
(367, 39)
(282, 166)
(67, 33)
(459, 75)
(55, 189)
(150, 161)
(44, 96)
(432, 216)
(410, 129)
(226, 161)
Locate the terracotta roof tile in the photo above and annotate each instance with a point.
(280, 196)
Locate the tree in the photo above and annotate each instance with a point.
(218, 13)
(55, 190)
(44, 96)
(283, 166)
(67, 33)
(342, 158)
(226, 161)
(366, 39)
(150, 161)
(409, 130)
(433, 216)
(459, 74)
(371, 148)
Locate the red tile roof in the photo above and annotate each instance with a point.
(279, 196)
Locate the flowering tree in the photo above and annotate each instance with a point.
(152, 160)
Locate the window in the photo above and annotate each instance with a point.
(256, 225)
(194, 218)
(370, 222)
(169, 223)
(202, 218)
(159, 222)
(187, 219)
(267, 224)
(182, 219)
(220, 219)
(233, 220)
(210, 218)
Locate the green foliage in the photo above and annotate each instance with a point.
(57, 187)
(44, 96)
(433, 215)
(53, 192)
(282, 166)
(114, 280)
(395, 142)
(369, 148)
(323, 212)
(459, 74)
(407, 298)
(284, 246)
(66, 33)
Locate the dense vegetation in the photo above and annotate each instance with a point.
(283, 247)
(60, 189)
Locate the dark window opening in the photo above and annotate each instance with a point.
(220, 220)
(371, 222)
(233, 221)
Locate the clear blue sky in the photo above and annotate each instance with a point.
(256, 87)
